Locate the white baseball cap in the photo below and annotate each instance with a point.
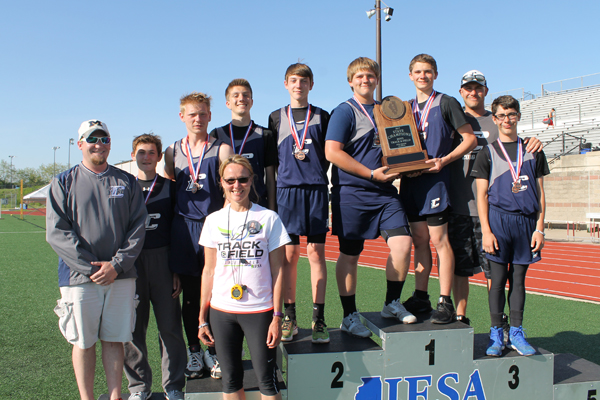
(473, 76)
(88, 127)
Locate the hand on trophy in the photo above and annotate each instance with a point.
(381, 175)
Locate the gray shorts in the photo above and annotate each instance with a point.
(465, 238)
(89, 312)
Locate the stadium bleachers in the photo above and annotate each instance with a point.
(577, 120)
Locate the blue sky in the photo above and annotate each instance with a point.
(128, 62)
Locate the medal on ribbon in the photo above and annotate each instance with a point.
(151, 188)
(514, 171)
(299, 150)
(422, 116)
(195, 172)
(243, 141)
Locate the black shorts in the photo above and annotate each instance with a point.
(437, 219)
(317, 239)
(229, 330)
(465, 238)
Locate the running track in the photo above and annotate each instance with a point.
(566, 269)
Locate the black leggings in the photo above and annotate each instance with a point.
(229, 330)
(516, 292)
(190, 309)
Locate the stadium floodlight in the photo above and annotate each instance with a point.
(71, 142)
(54, 168)
(389, 11)
(11, 170)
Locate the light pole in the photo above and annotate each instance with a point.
(54, 167)
(11, 170)
(389, 11)
(71, 142)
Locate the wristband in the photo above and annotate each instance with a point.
(203, 325)
(371, 175)
(278, 314)
(538, 231)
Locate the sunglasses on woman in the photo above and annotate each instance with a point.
(242, 179)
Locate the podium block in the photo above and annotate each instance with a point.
(575, 378)
(333, 370)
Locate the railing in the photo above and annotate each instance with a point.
(565, 151)
(562, 83)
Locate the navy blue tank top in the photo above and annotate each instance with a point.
(313, 169)
(209, 197)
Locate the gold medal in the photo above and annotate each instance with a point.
(237, 291)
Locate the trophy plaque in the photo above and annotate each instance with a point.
(399, 137)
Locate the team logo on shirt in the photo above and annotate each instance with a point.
(116, 192)
(435, 203)
(248, 155)
(253, 227)
(149, 225)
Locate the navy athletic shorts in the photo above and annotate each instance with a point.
(304, 210)
(187, 256)
(513, 232)
(365, 216)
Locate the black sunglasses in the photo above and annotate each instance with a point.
(94, 139)
(231, 181)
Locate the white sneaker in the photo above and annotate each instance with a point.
(194, 367)
(352, 325)
(139, 396)
(212, 365)
(396, 310)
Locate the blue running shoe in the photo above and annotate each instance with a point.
(496, 344)
(516, 340)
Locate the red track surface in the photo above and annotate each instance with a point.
(566, 269)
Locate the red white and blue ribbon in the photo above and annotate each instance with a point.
(422, 116)
(151, 188)
(243, 141)
(295, 134)
(516, 173)
(190, 159)
(366, 113)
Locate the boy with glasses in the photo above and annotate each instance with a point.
(364, 202)
(425, 195)
(511, 205)
(464, 228)
(302, 195)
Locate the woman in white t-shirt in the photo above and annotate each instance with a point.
(242, 282)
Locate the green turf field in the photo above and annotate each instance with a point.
(35, 359)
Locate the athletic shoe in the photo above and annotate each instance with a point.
(352, 325)
(444, 314)
(397, 310)
(211, 364)
(140, 396)
(505, 327)
(289, 328)
(496, 344)
(463, 319)
(194, 367)
(414, 305)
(174, 395)
(517, 341)
(319, 332)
